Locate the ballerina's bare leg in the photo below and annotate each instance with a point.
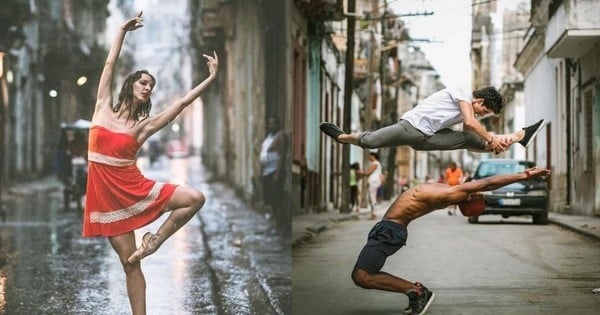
(184, 204)
(124, 245)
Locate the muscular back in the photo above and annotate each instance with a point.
(421, 200)
(425, 198)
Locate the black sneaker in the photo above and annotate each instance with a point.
(419, 300)
(331, 130)
(531, 132)
(412, 298)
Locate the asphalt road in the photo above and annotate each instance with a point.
(500, 266)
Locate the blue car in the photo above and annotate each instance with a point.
(526, 197)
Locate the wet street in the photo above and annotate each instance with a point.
(229, 259)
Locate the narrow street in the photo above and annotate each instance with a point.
(229, 259)
(499, 266)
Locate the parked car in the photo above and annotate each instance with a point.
(177, 149)
(526, 197)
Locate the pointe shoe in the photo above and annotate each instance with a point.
(146, 248)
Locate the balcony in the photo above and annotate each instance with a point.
(361, 66)
(326, 10)
(573, 29)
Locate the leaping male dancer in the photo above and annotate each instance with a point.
(426, 126)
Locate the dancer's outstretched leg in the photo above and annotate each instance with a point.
(402, 133)
(523, 136)
(398, 134)
(530, 132)
(184, 204)
(338, 134)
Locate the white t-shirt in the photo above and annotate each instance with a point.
(269, 159)
(438, 111)
(375, 177)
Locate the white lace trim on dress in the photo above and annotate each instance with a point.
(108, 160)
(125, 213)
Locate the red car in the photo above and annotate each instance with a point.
(177, 149)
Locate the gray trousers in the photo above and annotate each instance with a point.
(403, 133)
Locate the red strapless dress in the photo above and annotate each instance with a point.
(119, 199)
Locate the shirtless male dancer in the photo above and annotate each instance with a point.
(390, 234)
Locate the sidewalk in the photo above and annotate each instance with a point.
(588, 226)
(306, 226)
(46, 184)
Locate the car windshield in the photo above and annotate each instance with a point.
(487, 169)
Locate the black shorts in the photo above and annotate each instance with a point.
(385, 238)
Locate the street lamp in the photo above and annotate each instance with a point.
(82, 80)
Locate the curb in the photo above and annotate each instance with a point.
(574, 229)
(317, 228)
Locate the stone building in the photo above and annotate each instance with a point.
(254, 42)
(560, 64)
(497, 33)
(48, 76)
(386, 76)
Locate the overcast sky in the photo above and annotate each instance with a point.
(451, 25)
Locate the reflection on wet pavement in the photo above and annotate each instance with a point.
(230, 259)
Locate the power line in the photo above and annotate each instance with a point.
(396, 16)
(482, 2)
(447, 9)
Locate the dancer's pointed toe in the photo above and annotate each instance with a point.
(146, 248)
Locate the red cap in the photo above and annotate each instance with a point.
(473, 207)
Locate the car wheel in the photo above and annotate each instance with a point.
(474, 219)
(540, 218)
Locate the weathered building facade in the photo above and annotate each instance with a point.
(254, 42)
(386, 78)
(51, 61)
(497, 34)
(560, 64)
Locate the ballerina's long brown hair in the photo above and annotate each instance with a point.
(126, 97)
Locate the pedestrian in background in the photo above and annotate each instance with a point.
(380, 190)
(119, 198)
(62, 158)
(272, 159)
(373, 174)
(354, 167)
(429, 179)
(402, 183)
(452, 177)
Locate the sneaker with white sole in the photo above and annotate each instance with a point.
(419, 300)
(531, 132)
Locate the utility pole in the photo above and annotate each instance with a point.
(389, 110)
(370, 80)
(3, 112)
(348, 82)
